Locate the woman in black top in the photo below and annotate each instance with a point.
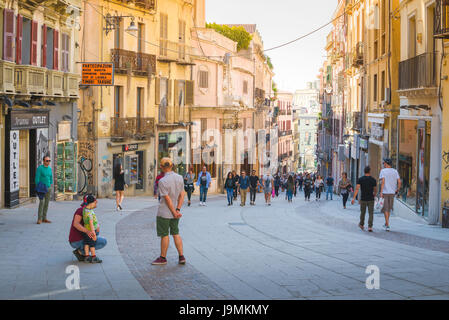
(119, 185)
(229, 186)
(307, 187)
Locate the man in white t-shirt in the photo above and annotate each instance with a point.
(267, 183)
(390, 185)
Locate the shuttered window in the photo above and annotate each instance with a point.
(8, 34)
(164, 26)
(190, 92)
(44, 46)
(204, 79)
(65, 44)
(33, 49)
(55, 49)
(245, 87)
(19, 35)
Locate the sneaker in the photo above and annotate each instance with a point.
(182, 260)
(159, 261)
(79, 256)
(120, 207)
(387, 228)
(39, 222)
(46, 221)
(361, 227)
(95, 259)
(370, 229)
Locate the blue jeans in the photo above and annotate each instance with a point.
(100, 244)
(203, 193)
(289, 194)
(230, 194)
(329, 190)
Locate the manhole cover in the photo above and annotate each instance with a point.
(237, 223)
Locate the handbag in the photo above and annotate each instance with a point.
(378, 203)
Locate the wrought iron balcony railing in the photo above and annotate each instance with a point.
(441, 19)
(418, 72)
(135, 128)
(137, 62)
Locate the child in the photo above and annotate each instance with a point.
(91, 224)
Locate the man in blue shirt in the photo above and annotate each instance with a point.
(204, 180)
(244, 185)
(44, 175)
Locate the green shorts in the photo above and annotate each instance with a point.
(163, 225)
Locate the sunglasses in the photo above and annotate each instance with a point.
(47, 160)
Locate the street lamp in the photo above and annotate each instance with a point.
(112, 24)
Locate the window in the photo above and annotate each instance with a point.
(245, 87)
(118, 35)
(182, 39)
(139, 102)
(203, 79)
(118, 101)
(163, 34)
(8, 34)
(141, 37)
(65, 48)
(26, 40)
(375, 88)
(412, 37)
(50, 48)
(382, 86)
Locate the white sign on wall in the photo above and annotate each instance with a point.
(14, 160)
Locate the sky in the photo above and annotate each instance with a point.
(279, 22)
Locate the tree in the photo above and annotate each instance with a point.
(237, 34)
(269, 63)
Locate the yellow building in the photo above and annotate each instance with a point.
(146, 114)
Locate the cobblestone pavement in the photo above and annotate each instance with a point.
(302, 250)
(35, 257)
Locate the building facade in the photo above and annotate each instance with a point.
(39, 91)
(145, 115)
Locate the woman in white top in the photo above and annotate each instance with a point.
(319, 185)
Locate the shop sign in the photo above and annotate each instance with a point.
(130, 147)
(363, 144)
(29, 120)
(14, 160)
(97, 74)
(377, 131)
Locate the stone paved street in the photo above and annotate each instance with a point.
(303, 250)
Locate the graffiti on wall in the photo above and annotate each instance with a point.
(106, 175)
(85, 167)
(446, 167)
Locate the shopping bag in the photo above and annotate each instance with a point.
(379, 203)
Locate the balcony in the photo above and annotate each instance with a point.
(30, 80)
(71, 88)
(284, 133)
(146, 4)
(55, 83)
(138, 62)
(441, 20)
(168, 51)
(7, 77)
(131, 128)
(418, 73)
(184, 54)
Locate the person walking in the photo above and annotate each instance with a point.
(319, 186)
(368, 187)
(236, 183)
(253, 185)
(243, 186)
(329, 186)
(277, 184)
(204, 180)
(267, 182)
(119, 185)
(290, 187)
(300, 181)
(44, 181)
(344, 187)
(189, 187)
(230, 187)
(169, 212)
(307, 187)
(390, 186)
(295, 180)
(156, 183)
